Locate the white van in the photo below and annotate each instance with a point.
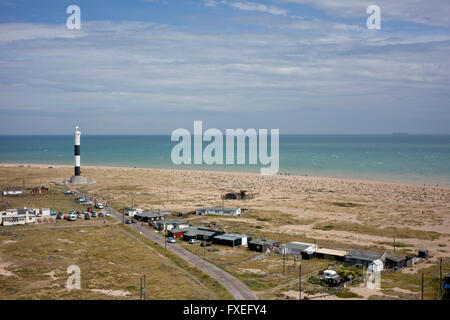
(72, 217)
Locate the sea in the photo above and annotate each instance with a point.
(417, 159)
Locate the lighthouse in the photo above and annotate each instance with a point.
(77, 178)
(77, 136)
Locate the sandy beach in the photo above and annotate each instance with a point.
(344, 211)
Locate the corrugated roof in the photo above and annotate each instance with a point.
(230, 236)
(263, 242)
(298, 245)
(218, 208)
(333, 252)
(394, 257)
(364, 254)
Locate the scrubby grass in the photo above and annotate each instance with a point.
(390, 232)
(220, 291)
(109, 259)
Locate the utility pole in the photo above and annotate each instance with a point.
(422, 285)
(300, 282)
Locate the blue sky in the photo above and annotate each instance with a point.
(302, 66)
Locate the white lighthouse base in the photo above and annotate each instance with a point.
(76, 181)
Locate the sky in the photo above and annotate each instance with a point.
(152, 66)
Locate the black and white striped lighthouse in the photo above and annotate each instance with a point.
(77, 179)
(77, 135)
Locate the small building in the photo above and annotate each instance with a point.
(230, 239)
(12, 191)
(331, 278)
(364, 257)
(200, 233)
(422, 253)
(152, 216)
(332, 254)
(375, 266)
(11, 217)
(219, 211)
(45, 211)
(163, 225)
(177, 233)
(241, 195)
(39, 190)
(131, 212)
(262, 245)
(305, 250)
(392, 261)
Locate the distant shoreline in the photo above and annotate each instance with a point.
(237, 173)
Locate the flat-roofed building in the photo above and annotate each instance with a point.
(262, 245)
(305, 250)
(12, 191)
(152, 216)
(219, 211)
(231, 239)
(334, 254)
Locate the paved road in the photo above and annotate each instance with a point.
(239, 290)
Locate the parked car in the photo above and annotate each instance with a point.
(82, 199)
(171, 240)
(99, 205)
(67, 192)
(88, 203)
(101, 215)
(107, 214)
(79, 215)
(128, 221)
(72, 217)
(193, 241)
(87, 216)
(205, 244)
(133, 220)
(66, 217)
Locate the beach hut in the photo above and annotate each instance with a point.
(262, 245)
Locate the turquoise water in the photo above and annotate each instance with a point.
(419, 159)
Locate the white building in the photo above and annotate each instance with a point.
(297, 248)
(12, 191)
(219, 211)
(131, 212)
(45, 211)
(375, 266)
(11, 217)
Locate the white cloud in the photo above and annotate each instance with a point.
(253, 6)
(114, 71)
(431, 12)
